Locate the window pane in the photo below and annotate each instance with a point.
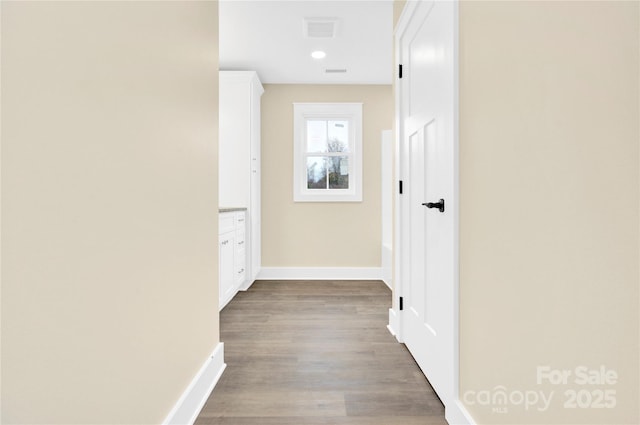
(316, 136)
(338, 136)
(316, 172)
(338, 172)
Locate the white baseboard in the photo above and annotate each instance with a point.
(247, 284)
(250, 279)
(393, 323)
(320, 273)
(188, 407)
(457, 414)
(388, 283)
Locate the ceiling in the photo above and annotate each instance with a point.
(269, 37)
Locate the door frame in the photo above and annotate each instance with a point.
(455, 412)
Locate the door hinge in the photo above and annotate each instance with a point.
(400, 304)
(400, 71)
(400, 187)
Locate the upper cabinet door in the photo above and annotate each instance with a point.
(240, 93)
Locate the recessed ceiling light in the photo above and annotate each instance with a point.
(318, 54)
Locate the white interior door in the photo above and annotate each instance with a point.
(428, 120)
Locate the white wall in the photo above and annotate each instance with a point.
(109, 208)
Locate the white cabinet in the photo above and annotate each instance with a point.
(232, 254)
(240, 253)
(239, 157)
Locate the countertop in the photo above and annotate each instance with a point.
(224, 210)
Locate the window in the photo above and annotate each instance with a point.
(327, 152)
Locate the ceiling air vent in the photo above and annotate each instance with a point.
(320, 27)
(335, 71)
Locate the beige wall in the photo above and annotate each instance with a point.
(398, 7)
(320, 234)
(109, 207)
(549, 136)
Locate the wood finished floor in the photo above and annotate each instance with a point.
(316, 353)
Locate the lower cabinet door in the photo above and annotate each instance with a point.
(227, 268)
(240, 266)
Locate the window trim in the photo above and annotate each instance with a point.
(351, 112)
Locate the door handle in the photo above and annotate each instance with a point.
(439, 205)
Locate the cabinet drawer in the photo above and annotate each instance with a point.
(240, 220)
(239, 263)
(240, 266)
(226, 222)
(240, 275)
(241, 225)
(239, 258)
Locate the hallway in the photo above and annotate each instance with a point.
(316, 352)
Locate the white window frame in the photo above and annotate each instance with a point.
(351, 112)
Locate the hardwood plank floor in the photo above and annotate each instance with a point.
(316, 353)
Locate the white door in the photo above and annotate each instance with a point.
(428, 121)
